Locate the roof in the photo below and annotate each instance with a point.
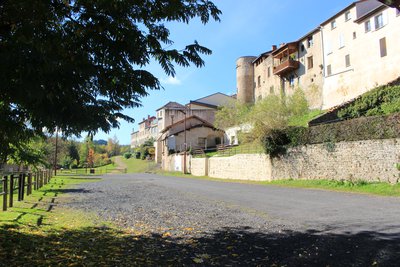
(218, 93)
(341, 12)
(368, 14)
(262, 55)
(172, 105)
(309, 33)
(188, 118)
(203, 104)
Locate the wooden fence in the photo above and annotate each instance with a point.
(20, 184)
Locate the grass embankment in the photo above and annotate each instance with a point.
(38, 232)
(376, 188)
(138, 166)
(86, 171)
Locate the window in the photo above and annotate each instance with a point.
(367, 26)
(378, 21)
(271, 90)
(354, 35)
(382, 45)
(310, 62)
(347, 60)
(310, 41)
(333, 24)
(341, 41)
(328, 47)
(347, 16)
(329, 70)
(259, 81)
(269, 72)
(302, 48)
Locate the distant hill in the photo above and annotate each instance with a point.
(100, 142)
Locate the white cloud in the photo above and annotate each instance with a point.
(171, 80)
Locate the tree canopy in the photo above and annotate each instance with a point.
(77, 64)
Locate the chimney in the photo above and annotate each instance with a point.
(274, 47)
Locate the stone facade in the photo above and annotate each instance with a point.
(368, 160)
(342, 58)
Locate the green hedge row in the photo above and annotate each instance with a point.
(382, 100)
(276, 142)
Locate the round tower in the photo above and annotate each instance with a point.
(245, 79)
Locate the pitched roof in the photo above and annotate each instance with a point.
(172, 105)
(204, 122)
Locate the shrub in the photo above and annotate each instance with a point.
(275, 142)
(383, 100)
(127, 155)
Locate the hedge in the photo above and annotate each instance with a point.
(276, 142)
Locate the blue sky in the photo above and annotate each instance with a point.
(247, 28)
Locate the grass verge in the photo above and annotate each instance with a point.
(138, 166)
(40, 232)
(372, 188)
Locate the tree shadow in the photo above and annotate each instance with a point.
(231, 246)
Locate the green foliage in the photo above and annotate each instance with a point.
(275, 142)
(379, 101)
(275, 113)
(76, 65)
(127, 155)
(231, 115)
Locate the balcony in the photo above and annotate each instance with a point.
(286, 66)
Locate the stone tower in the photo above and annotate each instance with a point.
(245, 79)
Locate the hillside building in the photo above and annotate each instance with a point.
(347, 55)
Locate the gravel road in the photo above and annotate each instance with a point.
(255, 225)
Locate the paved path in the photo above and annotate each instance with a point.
(337, 224)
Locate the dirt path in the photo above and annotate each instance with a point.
(121, 165)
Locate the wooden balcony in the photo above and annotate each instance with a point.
(286, 66)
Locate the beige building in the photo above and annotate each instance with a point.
(148, 129)
(361, 50)
(192, 131)
(345, 56)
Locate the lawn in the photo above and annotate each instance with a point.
(376, 188)
(39, 232)
(138, 166)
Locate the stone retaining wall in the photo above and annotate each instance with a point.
(369, 160)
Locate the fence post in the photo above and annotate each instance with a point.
(11, 189)
(41, 179)
(19, 186)
(29, 189)
(23, 186)
(5, 189)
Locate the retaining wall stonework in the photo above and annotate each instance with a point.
(369, 160)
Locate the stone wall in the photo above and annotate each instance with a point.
(199, 166)
(369, 160)
(254, 167)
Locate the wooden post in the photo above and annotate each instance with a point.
(5, 189)
(11, 189)
(19, 186)
(23, 186)
(29, 189)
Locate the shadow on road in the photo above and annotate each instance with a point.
(109, 247)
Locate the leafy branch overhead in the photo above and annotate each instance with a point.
(77, 64)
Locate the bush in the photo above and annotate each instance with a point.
(383, 100)
(127, 155)
(276, 142)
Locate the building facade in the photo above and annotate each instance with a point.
(347, 55)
